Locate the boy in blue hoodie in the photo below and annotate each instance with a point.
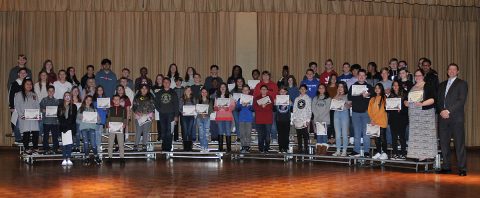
(245, 118)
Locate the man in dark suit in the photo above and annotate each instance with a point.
(452, 95)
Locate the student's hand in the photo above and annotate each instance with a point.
(264, 105)
(12, 110)
(445, 114)
(366, 94)
(419, 104)
(124, 126)
(405, 103)
(23, 118)
(175, 119)
(372, 123)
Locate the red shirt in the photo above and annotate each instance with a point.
(263, 115)
(272, 89)
(325, 76)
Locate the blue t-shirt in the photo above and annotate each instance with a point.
(245, 113)
(108, 81)
(312, 86)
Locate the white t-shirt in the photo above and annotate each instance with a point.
(61, 88)
(40, 93)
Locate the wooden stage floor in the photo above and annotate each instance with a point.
(227, 178)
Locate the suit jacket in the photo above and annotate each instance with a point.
(455, 99)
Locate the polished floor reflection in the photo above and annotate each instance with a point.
(227, 178)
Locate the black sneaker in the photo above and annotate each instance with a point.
(98, 160)
(402, 157)
(366, 154)
(86, 161)
(46, 152)
(353, 154)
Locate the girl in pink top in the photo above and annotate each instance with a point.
(224, 105)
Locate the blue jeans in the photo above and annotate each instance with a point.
(67, 151)
(263, 131)
(203, 129)
(322, 139)
(188, 128)
(165, 121)
(224, 128)
(235, 119)
(89, 137)
(98, 137)
(341, 122)
(360, 121)
(389, 135)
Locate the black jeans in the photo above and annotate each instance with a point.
(398, 133)
(331, 129)
(53, 128)
(381, 142)
(26, 139)
(264, 137)
(283, 128)
(165, 120)
(302, 138)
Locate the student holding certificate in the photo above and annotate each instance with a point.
(302, 113)
(398, 121)
(224, 116)
(321, 114)
(283, 121)
(117, 117)
(245, 119)
(378, 117)
(341, 120)
(236, 93)
(26, 99)
(263, 106)
(67, 113)
(203, 119)
(143, 109)
(86, 117)
(360, 117)
(50, 123)
(188, 118)
(102, 112)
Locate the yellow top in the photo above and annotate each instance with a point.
(377, 115)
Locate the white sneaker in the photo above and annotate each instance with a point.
(344, 154)
(274, 141)
(64, 162)
(337, 153)
(351, 140)
(384, 156)
(377, 156)
(69, 163)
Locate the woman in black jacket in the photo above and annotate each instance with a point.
(398, 121)
(67, 114)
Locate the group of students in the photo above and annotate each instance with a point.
(226, 108)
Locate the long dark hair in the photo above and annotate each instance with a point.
(139, 93)
(293, 79)
(62, 109)
(200, 99)
(219, 93)
(78, 96)
(24, 91)
(236, 86)
(44, 68)
(190, 97)
(400, 93)
(84, 105)
(344, 87)
(240, 75)
(326, 92)
(169, 73)
(95, 95)
(330, 79)
(72, 79)
(382, 94)
(187, 77)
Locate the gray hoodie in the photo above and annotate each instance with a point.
(302, 108)
(30, 102)
(321, 109)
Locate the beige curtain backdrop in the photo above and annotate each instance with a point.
(155, 33)
(296, 39)
(129, 39)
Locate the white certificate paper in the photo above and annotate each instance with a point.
(337, 105)
(264, 100)
(89, 117)
(213, 116)
(115, 127)
(373, 130)
(103, 103)
(393, 104)
(202, 108)
(231, 86)
(244, 98)
(253, 83)
(282, 100)
(358, 90)
(51, 111)
(32, 114)
(415, 96)
(189, 110)
(14, 118)
(236, 96)
(321, 128)
(144, 119)
(223, 102)
(67, 138)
